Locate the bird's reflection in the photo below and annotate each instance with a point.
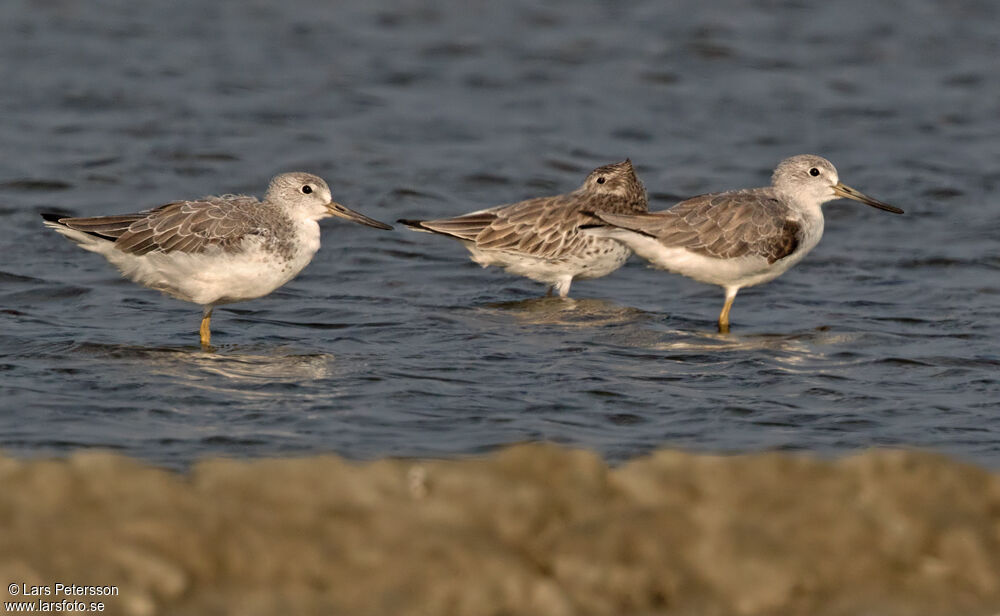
(568, 311)
(248, 371)
(644, 331)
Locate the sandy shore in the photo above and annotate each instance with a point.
(534, 530)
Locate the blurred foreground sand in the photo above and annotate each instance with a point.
(532, 529)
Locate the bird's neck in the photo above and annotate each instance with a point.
(805, 204)
(307, 231)
(310, 234)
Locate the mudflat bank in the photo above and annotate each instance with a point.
(532, 529)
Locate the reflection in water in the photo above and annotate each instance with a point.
(266, 368)
(384, 345)
(249, 371)
(639, 330)
(569, 311)
(793, 352)
(250, 375)
(712, 341)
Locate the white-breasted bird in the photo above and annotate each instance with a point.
(738, 238)
(216, 250)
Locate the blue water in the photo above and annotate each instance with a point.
(394, 343)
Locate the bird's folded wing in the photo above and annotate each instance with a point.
(546, 228)
(722, 225)
(180, 226)
(105, 227)
(466, 227)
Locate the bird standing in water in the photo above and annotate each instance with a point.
(738, 238)
(216, 250)
(541, 239)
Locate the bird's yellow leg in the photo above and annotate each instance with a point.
(206, 327)
(724, 316)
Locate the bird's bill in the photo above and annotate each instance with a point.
(340, 211)
(845, 191)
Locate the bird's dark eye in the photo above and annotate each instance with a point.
(814, 172)
(308, 189)
(600, 180)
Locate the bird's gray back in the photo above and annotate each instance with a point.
(752, 222)
(196, 226)
(544, 227)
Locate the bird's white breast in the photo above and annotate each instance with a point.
(742, 271)
(217, 277)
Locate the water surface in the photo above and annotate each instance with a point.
(393, 343)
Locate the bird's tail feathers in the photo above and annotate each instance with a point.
(611, 222)
(415, 225)
(92, 241)
(466, 227)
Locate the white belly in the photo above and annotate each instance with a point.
(599, 258)
(216, 277)
(734, 272)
